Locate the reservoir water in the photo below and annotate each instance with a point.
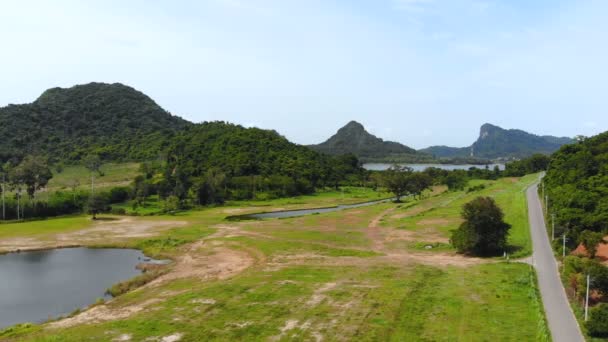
(37, 285)
(302, 212)
(422, 167)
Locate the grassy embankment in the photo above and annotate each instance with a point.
(322, 276)
(435, 217)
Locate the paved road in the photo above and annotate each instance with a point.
(562, 323)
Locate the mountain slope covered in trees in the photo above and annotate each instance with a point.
(114, 121)
(495, 142)
(354, 139)
(218, 160)
(577, 186)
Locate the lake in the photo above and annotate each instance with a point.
(37, 285)
(422, 167)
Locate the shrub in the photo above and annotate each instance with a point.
(119, 194)
(597, 325)
(118, 211)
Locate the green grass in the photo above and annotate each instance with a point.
(44, 227)
(357, 295)
(441, 214)
(114, 175)
(494, 302)
(152, 206)
(322, 198)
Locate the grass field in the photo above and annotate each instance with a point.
(435, 217)
(113, 175)
(349, 275)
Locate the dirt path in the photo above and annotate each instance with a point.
(374, 231)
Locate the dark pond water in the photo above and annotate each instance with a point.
(302, 212)
(422, 167)
(37, 285)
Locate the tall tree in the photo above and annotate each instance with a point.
(417, 182)
(396, 179)
(4, 174)
(591, 240)
(34, 173)
(93, 163)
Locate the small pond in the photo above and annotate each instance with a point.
(37, 285)
(302, 212)
(422, 167)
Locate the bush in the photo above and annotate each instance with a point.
(597, 325)
(119, 194)
(476, 188)
(118, 211)
(483, 232)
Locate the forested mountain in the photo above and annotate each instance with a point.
(577, 186)
(247, 160)
(495, 142)
(353, 138)
(114, 121)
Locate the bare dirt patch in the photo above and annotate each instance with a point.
(103, 313)
(219, 263)
(120, 229)
(319, 295)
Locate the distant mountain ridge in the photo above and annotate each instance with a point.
(354, 139)
(495, 142)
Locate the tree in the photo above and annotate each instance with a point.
(483, 232)
(396, 179)
(597, 325)
(417, 182)
(171, 204)
(96, 205)
(591, 241)
(4, 171)
(456, 180)
(93, 163)
(34, 173)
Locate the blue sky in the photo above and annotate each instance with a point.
(422, 72)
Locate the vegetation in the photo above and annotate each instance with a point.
(533, 164)
(214, 162)
(319, 271)
(113, 121)
(598, 323)
(483, 231)
(402, 181)
(577, 187)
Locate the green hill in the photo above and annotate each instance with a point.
(354, 139)
(112, 120)
(577, 186)
(495, 142)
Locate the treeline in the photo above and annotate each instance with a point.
(577, 187)
(576, 190)
(216, 161)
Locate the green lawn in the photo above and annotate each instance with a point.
(44, 227)
(113, 175)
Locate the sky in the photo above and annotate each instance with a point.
(421, 72)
